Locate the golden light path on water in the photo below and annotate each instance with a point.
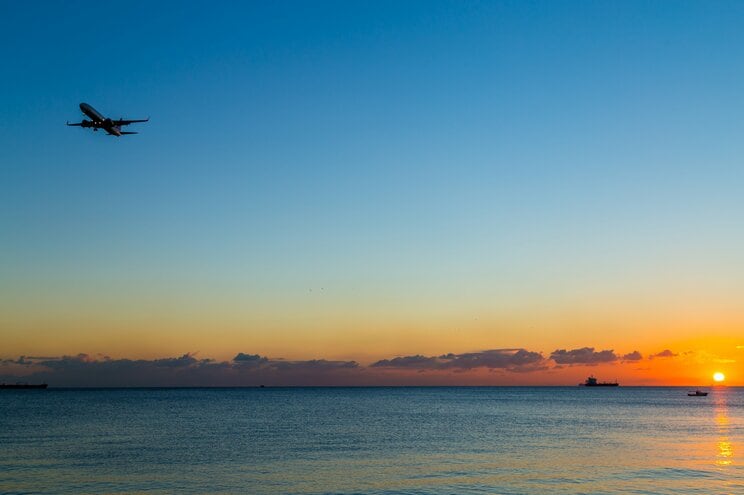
(725, 452)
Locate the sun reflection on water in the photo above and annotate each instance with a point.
(725, 449)
(725, 453)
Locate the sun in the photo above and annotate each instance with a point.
(718, 376)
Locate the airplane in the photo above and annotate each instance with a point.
(98, 121)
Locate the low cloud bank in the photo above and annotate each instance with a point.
(184, 371)
(245, 369)
(516, 360)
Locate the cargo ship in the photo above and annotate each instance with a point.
(592, 382)
(22, 385)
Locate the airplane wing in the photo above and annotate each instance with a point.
(127, 132)
(78, 124)
(121, 122)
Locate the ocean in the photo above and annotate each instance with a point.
(449, 440)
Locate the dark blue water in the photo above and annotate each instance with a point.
(372, 440)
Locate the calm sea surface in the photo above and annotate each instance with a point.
(372, 440)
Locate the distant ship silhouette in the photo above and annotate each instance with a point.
(592, 382)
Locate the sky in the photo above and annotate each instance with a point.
(336, 185)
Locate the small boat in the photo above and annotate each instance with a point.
(697, 393)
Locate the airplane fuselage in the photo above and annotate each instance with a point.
(98, 121)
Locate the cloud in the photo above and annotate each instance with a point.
(247, 369)
(27, 360)
(417, 362)
(185, 360)
(517, 360)
(186, 370)
(632, 356)
(249, 360)
(248, 357)
(583, 356)
(313, 365)
(666, 353)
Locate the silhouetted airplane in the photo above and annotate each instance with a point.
(98, 121)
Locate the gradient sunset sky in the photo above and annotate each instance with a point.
(324, 187)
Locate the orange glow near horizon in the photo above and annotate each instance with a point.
(675, 358)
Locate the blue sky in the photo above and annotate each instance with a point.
(399, 155)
